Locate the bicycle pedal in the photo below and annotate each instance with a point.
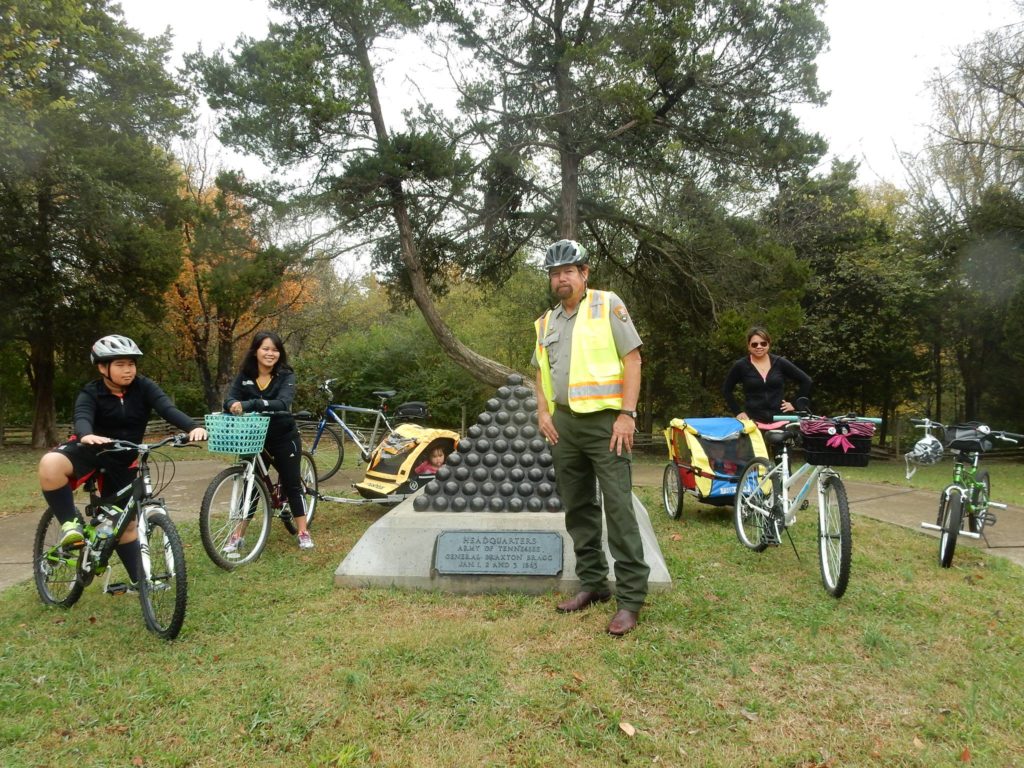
(118, 588)
(806, 503)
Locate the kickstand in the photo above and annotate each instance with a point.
(792, 543)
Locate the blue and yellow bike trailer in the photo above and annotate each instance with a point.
(391, 474)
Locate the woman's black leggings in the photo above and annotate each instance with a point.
(285, 453)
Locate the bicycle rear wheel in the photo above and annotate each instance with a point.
(672, 491)
(976, 517)
(951, 513)
(835, 548)
(234, 526)
(310, 494)
(755, 500)
(163, 588)
(55, 568)
(328, 450)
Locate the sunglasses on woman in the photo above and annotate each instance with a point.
(759, 344)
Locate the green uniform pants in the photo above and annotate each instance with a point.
(581, 456)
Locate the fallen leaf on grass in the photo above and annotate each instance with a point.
(627, 729)
(965, 756)
(577, 677)
(751, 716)
(676, 537)
(918, 743)
(138, 762)
(712, 598)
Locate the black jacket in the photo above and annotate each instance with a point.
(763, 397)
(278, 396)
(98, 411)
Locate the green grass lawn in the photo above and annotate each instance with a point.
(745, 662)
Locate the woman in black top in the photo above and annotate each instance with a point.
(763, 376)
(267, 383)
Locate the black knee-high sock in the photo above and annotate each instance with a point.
(62, 502)
(131, 556)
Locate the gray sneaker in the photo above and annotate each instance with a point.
(234, 544)
(305, 540)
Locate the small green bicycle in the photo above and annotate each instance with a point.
(965, 504)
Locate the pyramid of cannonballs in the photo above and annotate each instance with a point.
(503, 464)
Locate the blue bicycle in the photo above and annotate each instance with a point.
(327, 445)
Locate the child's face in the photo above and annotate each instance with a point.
(437, 457)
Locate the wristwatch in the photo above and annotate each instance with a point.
(631, 414)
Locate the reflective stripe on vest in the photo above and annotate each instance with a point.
(595, 370)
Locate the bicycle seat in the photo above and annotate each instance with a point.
(384, 394)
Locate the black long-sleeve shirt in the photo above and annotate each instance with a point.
(763, 396)
(98, 411)
(278, 395)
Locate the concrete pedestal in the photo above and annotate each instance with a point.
(398, 550)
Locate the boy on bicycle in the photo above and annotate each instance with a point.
(116, 406)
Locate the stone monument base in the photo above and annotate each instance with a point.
(399, 550)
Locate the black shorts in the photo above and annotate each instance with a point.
(117, 470)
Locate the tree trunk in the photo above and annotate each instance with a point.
(481, 368)
(43, 369)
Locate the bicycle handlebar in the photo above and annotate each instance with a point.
(179, 440)
(844, 417)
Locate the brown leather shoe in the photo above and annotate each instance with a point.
(582, 600)
(622, 622)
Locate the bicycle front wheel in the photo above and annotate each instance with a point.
(977, 513)
(310, 494)
(328, 450)
(55, 568)
(672, 491)
(234, 520)
(951, 512)
(755, 500)
(163, 589)
(835, 548)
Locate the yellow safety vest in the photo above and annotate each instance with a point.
(595, 369)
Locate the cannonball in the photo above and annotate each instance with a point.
(493, 404)
(533, 417)
(554, 504)
(530, 404)
(472, 459)
(503, 417)
(461, 473)
(459, 504)
(536, 474)
(528, 431)
(500, 445)
(544, 459)
(514, 379)
(443, 473)
(519, 445)
(451, 488)
(512, 404)
(527, 459)
(550, 473)
(498, 474)
(432, 488)
(440, 503)
(537, 445)
(488, 488)
(421, 503)
(490, 460)
(515, 504)
(454, 459)
(482, 445)
(474, 431)
(504, 392)
(479, 503)
(481, 473)
(533, 504)
(516, 474)
(522, 392)
(525, 490)
(506, 488)
(470, 488)
(484, 418)
(510, 431)
(508, 459)
(492, 431)
(520, 417)
(465, 445)
(545, 489)
(496, 504)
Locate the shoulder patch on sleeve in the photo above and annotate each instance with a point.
(621, 313)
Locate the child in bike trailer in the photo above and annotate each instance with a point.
(430, 465)
(267, 383)
(116, 406)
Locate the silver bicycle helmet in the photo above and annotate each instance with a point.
(564, 253)
(926, 451)
(114, 347)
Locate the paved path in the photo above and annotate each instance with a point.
(900, 506)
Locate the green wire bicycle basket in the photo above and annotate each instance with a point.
(236, 434)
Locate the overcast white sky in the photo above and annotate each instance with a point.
(881, 55)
